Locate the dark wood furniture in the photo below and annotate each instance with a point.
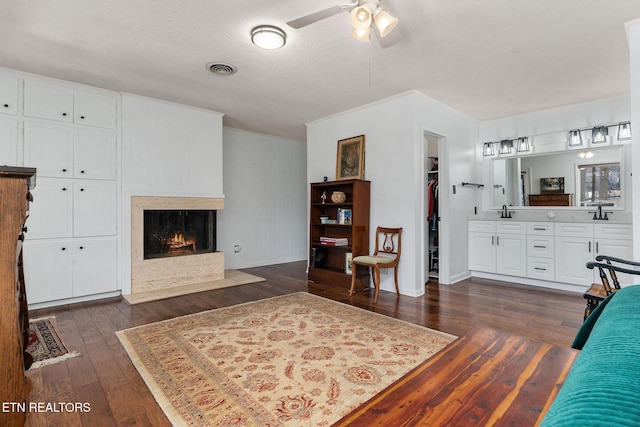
(15, 184)
(386, 255)
(327, 263)
(550, 199)
(487, 378)
(597, 292)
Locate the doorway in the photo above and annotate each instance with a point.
(431, 243)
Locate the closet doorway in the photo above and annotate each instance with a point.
(432, 208)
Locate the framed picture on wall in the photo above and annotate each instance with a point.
(350, 158)
(552, 185)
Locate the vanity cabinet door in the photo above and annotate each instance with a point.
(482, 252)
(572, 254)
(619, 248)
(511, 254)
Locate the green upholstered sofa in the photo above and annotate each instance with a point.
(603, 385)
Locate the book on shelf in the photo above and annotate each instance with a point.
(344, 216)
(334, 241)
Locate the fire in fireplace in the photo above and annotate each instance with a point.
(169, 233)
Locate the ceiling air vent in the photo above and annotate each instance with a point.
(221, 68)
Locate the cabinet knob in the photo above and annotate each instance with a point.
(64, 114)
(64, 188)
(24, 229)
(64, 170)
(81, 171)
(64, 249)
(29, 197)
(82, 189)
(21, 237)
(6, 105)
(82, 117)
(81, 247)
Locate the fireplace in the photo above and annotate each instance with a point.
(170, 233)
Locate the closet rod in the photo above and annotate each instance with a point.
(464, 184)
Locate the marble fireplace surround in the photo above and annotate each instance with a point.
(149, 275)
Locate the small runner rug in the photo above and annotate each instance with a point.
(45, 345)
(293, 360)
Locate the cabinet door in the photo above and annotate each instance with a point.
(49, 148)
(619, 248)
(94, 266)
(95, 109)
(51, 214)
(47, 270)
(8, 94)
(94, 208)
(8, 142)
(482, 252)
(48, 101)
(511, 254)
(95, 154)
(571, 256)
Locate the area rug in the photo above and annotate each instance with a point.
(45, 345)
(294, 360)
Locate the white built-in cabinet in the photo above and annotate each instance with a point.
(8, 141)
(496, 247)
(67, 104)
(546, 251)
(8, 94)
(70, 137)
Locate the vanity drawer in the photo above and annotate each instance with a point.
(540, 268)
(482, 226)
(540, 228)
(509, 227)
(612, 231)
(570, 229)
(540, 246)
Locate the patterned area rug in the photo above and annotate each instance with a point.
(293, 360)
(45, 345)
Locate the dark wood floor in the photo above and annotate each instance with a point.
(104, 377)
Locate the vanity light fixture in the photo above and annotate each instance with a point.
(599, 134)
(523, 145)
(487, 149)
(624, 131)
(505, 146)
(575, 138)
(268, 37)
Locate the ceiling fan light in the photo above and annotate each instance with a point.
(384, 22)
(268, 37)
(361, 17)
(361, 34)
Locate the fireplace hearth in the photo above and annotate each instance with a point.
(172, 233)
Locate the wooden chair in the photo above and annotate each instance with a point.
(598, 292)
(386, 255)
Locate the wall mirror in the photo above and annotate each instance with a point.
(573, 179)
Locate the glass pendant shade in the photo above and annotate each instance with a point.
(487, 149)
(384, 22)
(523, 145)
(599, 134)
(361, 34)
(360, 17)
(624, 131)
(575, 138)
(506, 146)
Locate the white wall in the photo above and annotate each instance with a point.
(266, 200)
(167, 150)
(633, 34)
(394, 163)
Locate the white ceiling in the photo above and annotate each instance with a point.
(487, 59)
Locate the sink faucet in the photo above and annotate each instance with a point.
(597, 215)
(505, 212)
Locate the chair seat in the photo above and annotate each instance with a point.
(373, 259)
(597, 291)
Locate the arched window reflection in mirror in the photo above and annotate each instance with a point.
(578, 179)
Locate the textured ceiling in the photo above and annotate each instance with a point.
(486, 59)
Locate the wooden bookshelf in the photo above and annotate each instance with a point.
(327, 264)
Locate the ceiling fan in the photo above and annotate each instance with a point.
(363, 13)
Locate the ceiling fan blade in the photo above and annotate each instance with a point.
(314, 17)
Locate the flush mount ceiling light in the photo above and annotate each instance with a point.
(268, 37)
(363, 14)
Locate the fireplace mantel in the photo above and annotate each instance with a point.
(163, 273)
